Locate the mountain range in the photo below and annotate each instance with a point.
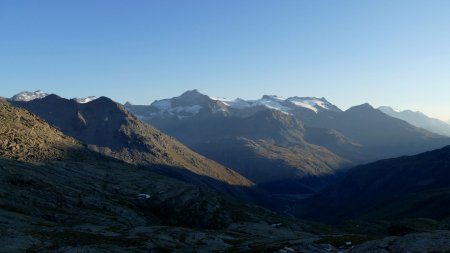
(111, 130)
(86, 175)
(295, 145)
(284, 146)
(290, 145)
(418, 119)
(26, 96)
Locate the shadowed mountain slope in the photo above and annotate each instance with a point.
(108, 128)
(267, 147)
(26, 137)
(406, 187)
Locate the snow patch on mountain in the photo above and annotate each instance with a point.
(26, 96)
(236, 103)
(272, 102)
(310, 103)
(85, 100)
(165, 107)
(220, 99)
(285, 105)
(192, 102)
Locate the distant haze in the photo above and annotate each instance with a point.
(383, 52)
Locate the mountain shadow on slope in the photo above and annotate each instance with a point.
(405, 187)
(267, 147)
(108, 128)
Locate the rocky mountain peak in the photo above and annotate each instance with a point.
(362, 107)
(28, 95)
(192, 94)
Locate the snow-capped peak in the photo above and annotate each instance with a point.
(311, 103)
(29, 95)
(85, 100)
(285, 105)
(26, 96)
(192, 102)
(219, 99)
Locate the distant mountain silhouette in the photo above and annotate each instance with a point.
(418, 119)
(382, 136)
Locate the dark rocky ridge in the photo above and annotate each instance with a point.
(111, 130)
(405, 187)
(31, 138)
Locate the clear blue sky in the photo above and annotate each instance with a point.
(383, 52)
